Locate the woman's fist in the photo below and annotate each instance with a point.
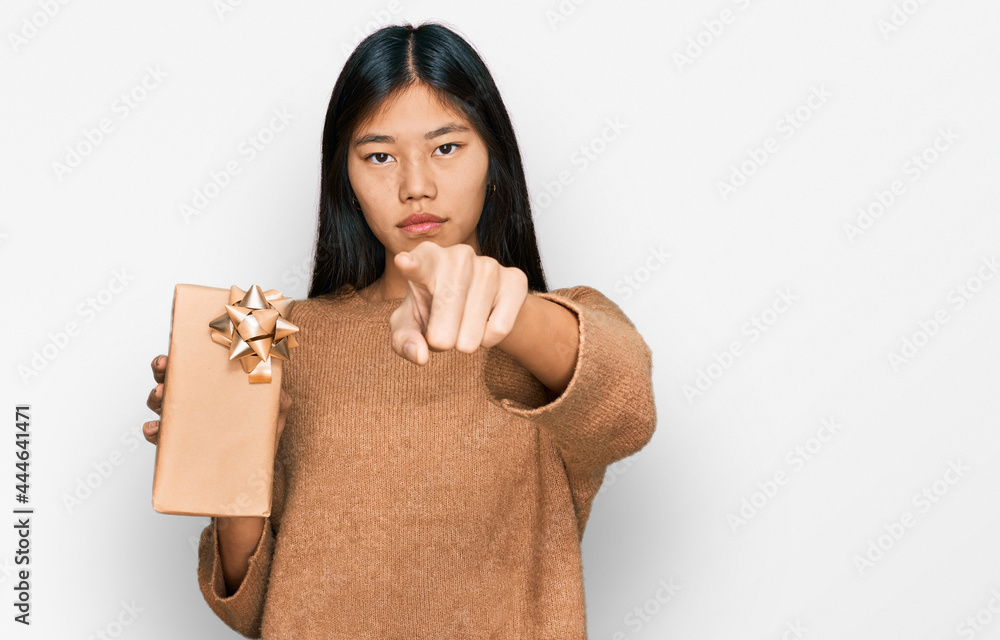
(151, 429)
(455, 299)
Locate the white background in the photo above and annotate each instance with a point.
(644, 221)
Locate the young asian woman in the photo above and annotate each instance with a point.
(446, 420)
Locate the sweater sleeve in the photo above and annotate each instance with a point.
(607, 411)
(243, 610)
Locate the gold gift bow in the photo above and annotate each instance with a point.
(255, 327)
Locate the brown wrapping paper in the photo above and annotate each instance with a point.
(215, 454)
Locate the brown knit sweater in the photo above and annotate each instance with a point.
(439, 501)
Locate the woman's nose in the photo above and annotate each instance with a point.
(416, 181)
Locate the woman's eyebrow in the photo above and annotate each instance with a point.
(448, 128)
(430, 135)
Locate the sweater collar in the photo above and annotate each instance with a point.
(352, 304)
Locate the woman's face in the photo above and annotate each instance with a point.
(418, 156)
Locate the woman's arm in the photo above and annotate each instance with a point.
(545, 340)
(606, 411)
(238, 539)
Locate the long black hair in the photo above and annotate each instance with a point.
(389, 60)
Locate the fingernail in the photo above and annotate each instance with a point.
(159, 359)
(411, 351)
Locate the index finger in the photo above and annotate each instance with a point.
(159, 366)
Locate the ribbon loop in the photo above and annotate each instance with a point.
(254, 328)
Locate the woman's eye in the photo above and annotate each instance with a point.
(379, 157)
(446, 149)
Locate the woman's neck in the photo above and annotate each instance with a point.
(376, 292)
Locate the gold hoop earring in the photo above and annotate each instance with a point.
(494, 191)
(357, 205)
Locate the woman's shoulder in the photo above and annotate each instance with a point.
(582, 294)
(584, 299)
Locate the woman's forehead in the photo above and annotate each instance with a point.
(414, 111)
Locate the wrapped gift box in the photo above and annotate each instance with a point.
(215, 453)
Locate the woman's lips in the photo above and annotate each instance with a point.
(422, 227)
(422, 222)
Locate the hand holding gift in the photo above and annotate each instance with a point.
(223, 412)
(151, 429)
